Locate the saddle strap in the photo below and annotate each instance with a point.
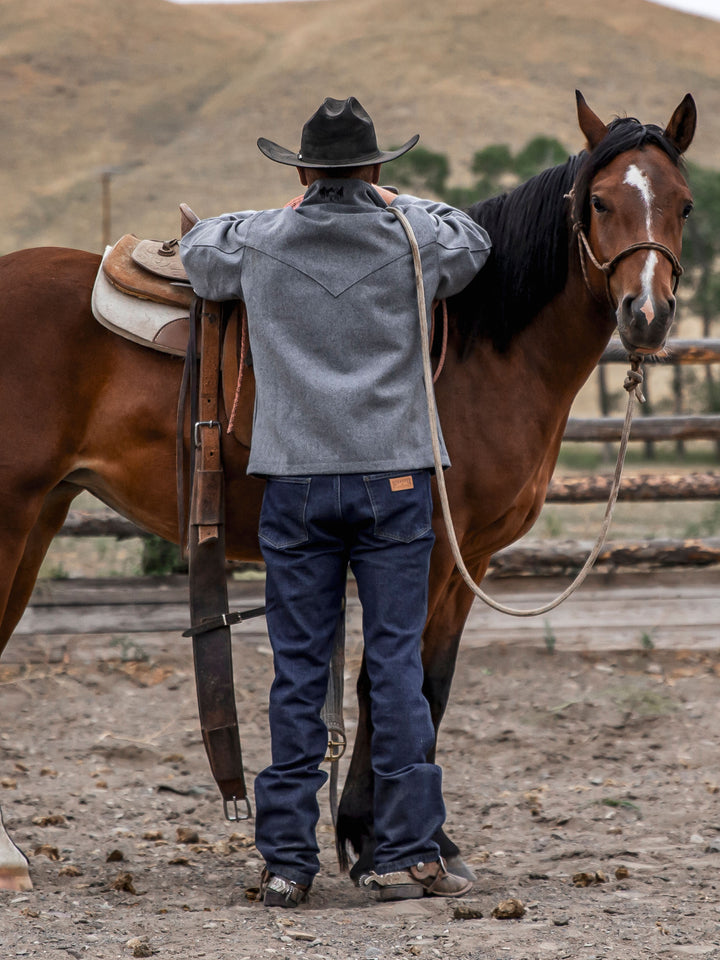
(332, 712)
(212, 651)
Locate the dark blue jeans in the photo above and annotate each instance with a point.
(311, 529)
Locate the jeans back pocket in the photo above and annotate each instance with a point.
(401, 504)
(282, 517)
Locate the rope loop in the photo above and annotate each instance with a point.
(634, 378)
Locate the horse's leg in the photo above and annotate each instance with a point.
(355, 812)
(48, 522)
(441, 642)
(14, 870)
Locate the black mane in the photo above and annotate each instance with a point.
(530, 232)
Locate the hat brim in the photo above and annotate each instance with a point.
(281, 155)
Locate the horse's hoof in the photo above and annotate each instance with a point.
(14, 867)
(458, 866)
(16, 879)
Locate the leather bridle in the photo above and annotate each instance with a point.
(608, 267)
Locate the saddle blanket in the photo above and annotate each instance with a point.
(157, 325)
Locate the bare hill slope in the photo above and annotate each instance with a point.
(174, 97)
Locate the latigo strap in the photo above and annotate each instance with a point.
(209, 611)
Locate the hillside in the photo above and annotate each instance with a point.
(174, 97)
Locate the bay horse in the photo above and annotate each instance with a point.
(83, 409)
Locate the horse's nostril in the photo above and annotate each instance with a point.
(626, 308)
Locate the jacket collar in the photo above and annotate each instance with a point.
(347, 192)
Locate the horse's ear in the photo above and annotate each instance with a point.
(681, 128)
(590, 124)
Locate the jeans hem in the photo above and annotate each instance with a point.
(291, 874)
(429, 857)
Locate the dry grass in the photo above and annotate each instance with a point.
(175, 96)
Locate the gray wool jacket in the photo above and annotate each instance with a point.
(329, 288)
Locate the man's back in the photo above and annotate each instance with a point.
(330, 294)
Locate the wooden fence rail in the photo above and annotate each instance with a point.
(678, 351)
(638, 489)
(647, 428)
(587, 489)
(604, 429)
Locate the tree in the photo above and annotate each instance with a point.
(701, 252)
(421, 171)
(424, 171)
(701, 246)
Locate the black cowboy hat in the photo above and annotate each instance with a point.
(339, 134)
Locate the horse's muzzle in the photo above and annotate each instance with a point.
(644, 322)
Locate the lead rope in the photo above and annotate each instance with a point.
(632, 384)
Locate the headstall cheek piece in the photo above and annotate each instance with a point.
(608, 268)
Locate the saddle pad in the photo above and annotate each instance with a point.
(156, 325)
(128, 276)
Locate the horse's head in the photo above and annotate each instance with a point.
(630, 204)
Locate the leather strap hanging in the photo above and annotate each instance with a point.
(209, 611)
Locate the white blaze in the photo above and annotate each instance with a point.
(637, 178)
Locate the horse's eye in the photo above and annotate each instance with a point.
(687, 210)
(598, 204)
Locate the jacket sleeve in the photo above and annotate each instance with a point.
(462, 245)
(212, 254)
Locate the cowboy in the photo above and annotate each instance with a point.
(341, 437)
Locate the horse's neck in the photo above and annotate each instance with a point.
(562, 347)
(531, 387)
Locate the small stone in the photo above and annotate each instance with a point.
(115, 856)
(467, 910)
(622, 873)
(511, 909)
(241, 840)
(187, 835)
(139, 947)
(589, 879)
(70, 871)
(51, 820)
(47, 850)
(561, 921)
(124, 883)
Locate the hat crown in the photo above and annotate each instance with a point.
(337, 131)
(339, 134)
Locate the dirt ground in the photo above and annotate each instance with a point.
(584, 783)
